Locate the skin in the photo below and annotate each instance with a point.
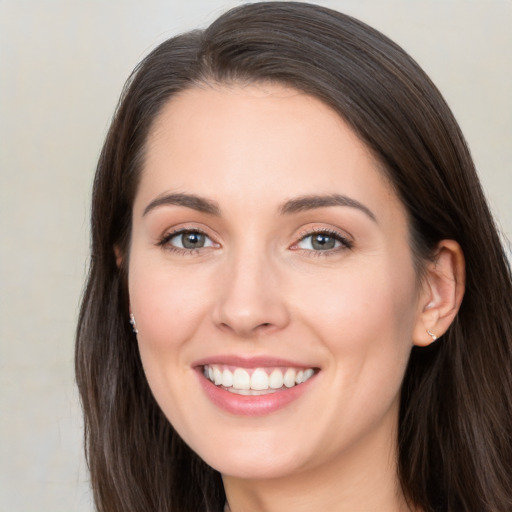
(259, 287)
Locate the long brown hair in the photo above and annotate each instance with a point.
(455, 425)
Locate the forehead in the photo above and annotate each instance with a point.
(257, 143)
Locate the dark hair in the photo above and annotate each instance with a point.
(455, 425)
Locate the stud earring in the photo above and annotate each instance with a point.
(432, 335)
(134, 324)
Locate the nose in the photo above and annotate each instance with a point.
(250, 298)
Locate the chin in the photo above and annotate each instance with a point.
(253, 456)
(257, 468)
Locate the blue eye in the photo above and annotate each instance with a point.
(322, 241)
(189, 240)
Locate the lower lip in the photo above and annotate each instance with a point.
(252, 405)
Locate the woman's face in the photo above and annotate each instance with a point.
(268, 249)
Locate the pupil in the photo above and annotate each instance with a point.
(323, 242)
(193, 240)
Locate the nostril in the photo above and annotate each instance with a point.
(265, 326)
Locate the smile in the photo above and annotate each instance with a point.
(254, 386)
(257, 381)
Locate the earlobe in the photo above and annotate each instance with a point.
(119, 256)
(119, 262)
(134, 323)
(443, 290)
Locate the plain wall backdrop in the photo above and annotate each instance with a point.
(63, 64)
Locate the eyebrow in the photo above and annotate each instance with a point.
(188, 200)
(312, 202)
(299, 204)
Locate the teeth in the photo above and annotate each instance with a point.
(217, 376)
(251, 392)
(259, 380)
(308, 374)
(241, 381)
(227, 379)
(289, 378)
(276, 379)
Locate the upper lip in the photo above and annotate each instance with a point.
(249, 362)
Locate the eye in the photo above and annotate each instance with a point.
(188, 240)
(323, 241)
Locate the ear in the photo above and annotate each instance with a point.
(119, 256)
(442, 292)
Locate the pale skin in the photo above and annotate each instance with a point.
(257, 285)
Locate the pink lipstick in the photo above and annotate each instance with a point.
(253, 386)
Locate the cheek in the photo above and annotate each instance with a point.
(169, 307)
(365, 298)
(365, 322)
(163, 300)
(365, 319)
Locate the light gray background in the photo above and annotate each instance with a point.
(63, 64)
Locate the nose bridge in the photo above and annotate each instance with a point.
(250, 298)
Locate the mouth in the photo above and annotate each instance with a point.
(256, 381)
(255, 386)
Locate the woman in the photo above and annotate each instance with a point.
(297, 296)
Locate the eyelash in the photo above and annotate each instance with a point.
(345, 242)
(164, 241)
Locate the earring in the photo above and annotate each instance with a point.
(432, 335)
(134, 324)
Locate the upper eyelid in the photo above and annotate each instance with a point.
(186, 229)
(345, 239)
(169, 235)
(343, 236)
(331, 231)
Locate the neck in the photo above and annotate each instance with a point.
(363, 478)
